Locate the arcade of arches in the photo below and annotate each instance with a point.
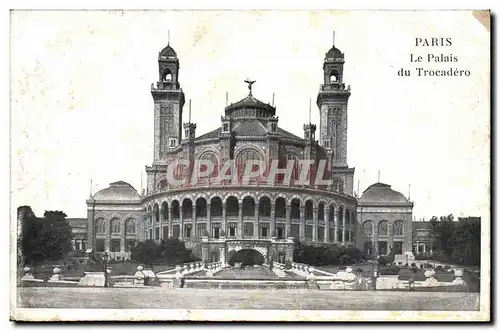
(251, 218)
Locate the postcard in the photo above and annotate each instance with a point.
(230, 165)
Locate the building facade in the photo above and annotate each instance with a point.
(221, 217)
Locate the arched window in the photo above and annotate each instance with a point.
(167, 76)
(211, 158)
(201, 207)
(187, 209)
(244, 157)
(130, 226)
(175, 209)
(295, 209)
(280, 208)
(309, 210)
(383, 228)
(368, 228)
(264, 207)
(295, 159)
(115, 225)
(321, 211)
(156, 213)
(100, 225)
(248, 207)
(215, 207)
(334, 76)
(232, 207)
(398, 228)
(164, 210)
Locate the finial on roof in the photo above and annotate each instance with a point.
(333, 37)
(378, 180)
(250, 83)
(309, 111)
(168, 43)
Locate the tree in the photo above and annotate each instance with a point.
(145, 252)
(43, 239)
(169, 251)
(458, 242)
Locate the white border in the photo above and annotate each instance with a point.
(106, 314)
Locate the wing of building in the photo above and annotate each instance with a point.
(265, 212)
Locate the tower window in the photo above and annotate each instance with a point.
(334, 76)
(172, 142)
(167, 76)
(225, 127)
(326, 144)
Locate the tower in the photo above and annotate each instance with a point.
(332, 102)
(168, 102)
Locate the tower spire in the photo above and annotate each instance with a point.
(189, 111)
(409, 191)
(90, 195)
(273, 99)
(378, 180)
(333, 37)
(168, 44)
(226, 98)
(309, 110)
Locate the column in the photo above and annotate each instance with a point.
(161, 222)
(181, 224)
(425, 251)
(315, 226)
(194, 231)
(152, 225)
(327, 224)
(302, 229)
(256, 229)
(224, 225)
(335, 226)
(239, 230)
(344, 229)
(390, 232)
(170, 226)
(123, 228)
(288, 225)
(90, 228)
(375, 239)
(272, 225)
(209, 221)
(107, 242)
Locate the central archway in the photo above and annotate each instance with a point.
(245, 256)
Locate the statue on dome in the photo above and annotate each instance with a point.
(250, 83)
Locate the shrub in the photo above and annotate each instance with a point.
(428, 265)
(447, 268)
(400, 263)
(406, 265)
(413, 265)
(118, 258)
(359, 270)
(82, 261)
(439, 267)
(288, 265)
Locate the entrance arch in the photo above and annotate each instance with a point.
(245, 256)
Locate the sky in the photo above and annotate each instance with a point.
(81, 107)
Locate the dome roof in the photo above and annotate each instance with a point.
(250, 102)
(382, 193)
(118, 191)
(334, 52)
(168, 52)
